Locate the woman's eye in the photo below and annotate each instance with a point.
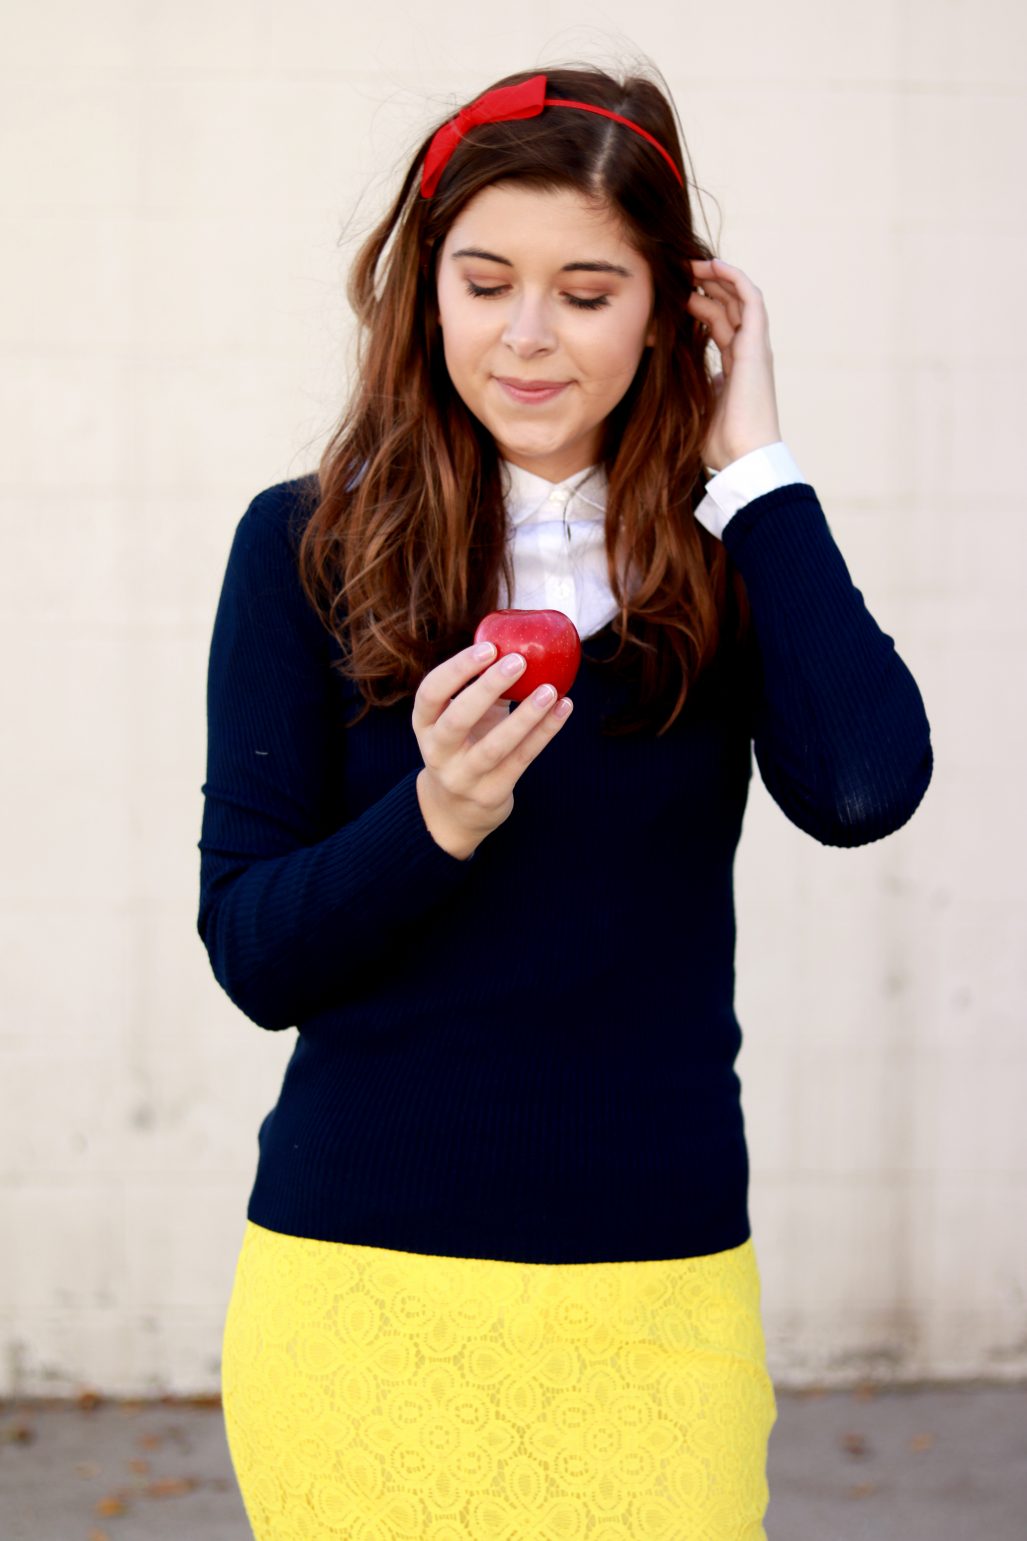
(594, 304)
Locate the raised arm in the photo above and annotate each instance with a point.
(839, 729)
(838, 725)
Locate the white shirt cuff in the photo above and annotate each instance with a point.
(748, 477)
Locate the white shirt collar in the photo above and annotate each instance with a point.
(533, 497)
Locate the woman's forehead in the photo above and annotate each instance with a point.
(516, 215)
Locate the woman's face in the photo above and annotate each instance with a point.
(584, 329)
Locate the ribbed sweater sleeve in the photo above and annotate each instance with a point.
(839, 729)
(289, 909)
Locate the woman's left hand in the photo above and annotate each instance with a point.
(732, 308)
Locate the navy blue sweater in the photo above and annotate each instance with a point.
(528, 1055)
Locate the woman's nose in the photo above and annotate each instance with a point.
(529, 327)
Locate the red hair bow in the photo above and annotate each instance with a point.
(501, 105)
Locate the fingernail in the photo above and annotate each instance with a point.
(513, 663)
(483, 651)
(544, 694)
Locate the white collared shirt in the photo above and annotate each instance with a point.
(559, 534)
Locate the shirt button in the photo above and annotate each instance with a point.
(561, 497)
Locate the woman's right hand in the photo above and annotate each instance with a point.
(474, 747)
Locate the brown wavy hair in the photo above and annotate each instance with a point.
(403, 552)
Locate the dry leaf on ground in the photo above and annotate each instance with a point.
(170, 1487)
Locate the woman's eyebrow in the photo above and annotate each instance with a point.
(568, 267)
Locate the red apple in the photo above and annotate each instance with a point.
(547, 640)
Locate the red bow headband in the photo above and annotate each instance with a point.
(506, 102)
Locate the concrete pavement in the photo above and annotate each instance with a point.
(939, 1463)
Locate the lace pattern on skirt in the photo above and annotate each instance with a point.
(377, 1395)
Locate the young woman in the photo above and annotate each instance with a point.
(497, 1276)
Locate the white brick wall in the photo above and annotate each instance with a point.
(174, 338)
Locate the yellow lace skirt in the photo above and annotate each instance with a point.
(374, 1395)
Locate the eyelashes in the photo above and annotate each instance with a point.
(600, 299)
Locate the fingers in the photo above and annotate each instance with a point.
(717, 270)
(715, 301)
(453, 716)
(725, 299)
(515, 743)
(461, 714)
(719, 278)
(441, 684)
(720, 324)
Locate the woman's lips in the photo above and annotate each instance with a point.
(534, 395)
